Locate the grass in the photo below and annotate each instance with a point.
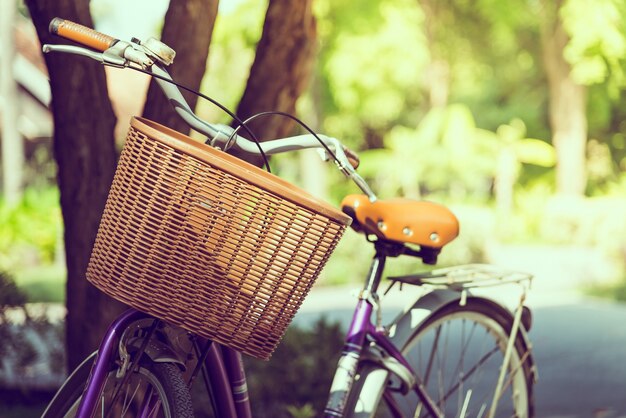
(43, 283)
(615, 291)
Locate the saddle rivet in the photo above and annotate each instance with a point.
(434, 237)
(407, 231)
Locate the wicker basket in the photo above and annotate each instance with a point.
(205, 241)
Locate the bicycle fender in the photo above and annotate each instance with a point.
(158, 352)
(407, 323)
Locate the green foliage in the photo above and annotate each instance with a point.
(10, 295)
(296, 381)
(607, 126)
(30, 230)
(43, 283)
(598, 224)
(445, 154)
(587, 222)
(372, 78)
(526, 150)
(371, 65)
(237, 30)
(389, 67)
(476, 232)
(535, 151)
(341, 268)
(597, 41)
(304, 411)
(493, 50)
(523, 224)
(615, 291)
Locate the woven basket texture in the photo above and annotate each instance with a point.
(205, 249)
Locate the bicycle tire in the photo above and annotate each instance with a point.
(386, 401)
(165, 379)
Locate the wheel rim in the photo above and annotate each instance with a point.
(458, 357)
(142, 396)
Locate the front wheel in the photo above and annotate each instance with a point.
(457, 353)
(154, 390)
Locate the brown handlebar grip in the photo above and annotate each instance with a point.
(81, 34)
(353, 158)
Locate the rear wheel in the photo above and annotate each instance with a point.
(154, 390)
(457, 353)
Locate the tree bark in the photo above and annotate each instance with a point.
(187, 29)
(281, 69)
(84, 151)
(567, 109)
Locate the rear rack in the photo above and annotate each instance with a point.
(466, 277)
(472, 276)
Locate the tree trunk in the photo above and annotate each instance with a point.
(84, 150)
(437, 72)
(281, 68)
(187, 29)
(568, 119)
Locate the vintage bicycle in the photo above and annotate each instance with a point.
(215, 256)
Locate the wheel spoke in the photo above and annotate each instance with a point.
(457, 355)
(473, 370)
(464, 350)
(127, 402)
(432, 353)
(442, 368)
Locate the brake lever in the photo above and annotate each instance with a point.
(341, 161)
(102, 58)
(118, 55)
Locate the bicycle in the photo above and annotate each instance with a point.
(452, 352)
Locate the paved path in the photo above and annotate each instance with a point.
(580, 350)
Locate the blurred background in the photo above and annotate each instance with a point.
(510, 113)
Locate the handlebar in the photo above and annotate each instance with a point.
(153, 56)
(81, 34)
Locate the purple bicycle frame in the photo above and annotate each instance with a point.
(224, 365)
(357, 340)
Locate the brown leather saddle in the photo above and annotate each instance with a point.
(403, 220)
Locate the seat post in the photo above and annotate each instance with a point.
(378, 265)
